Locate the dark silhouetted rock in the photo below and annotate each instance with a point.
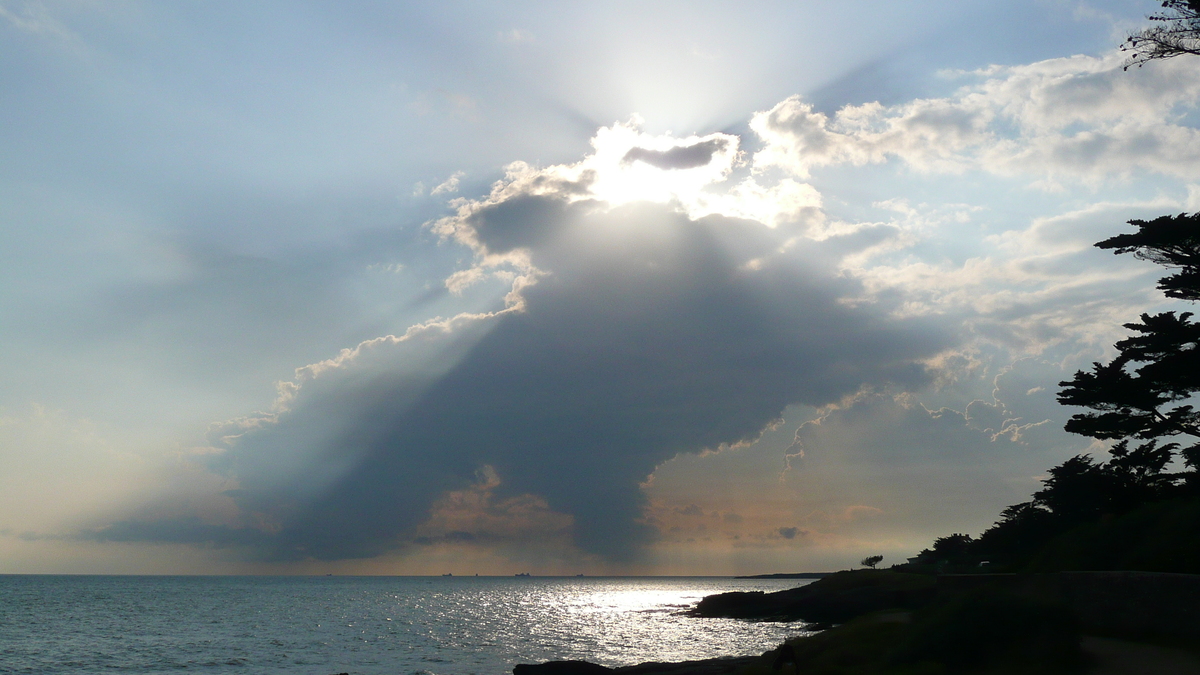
(785, 655)
(718, 666)
(833, 599)
(561, 668)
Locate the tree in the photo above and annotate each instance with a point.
(1176, 31)
(1020, 532)
(956, 550)
(871, 561)
(1142, 393)
(1170, 241)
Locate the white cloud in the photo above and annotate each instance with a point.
(1080, 117)
(36, 19)
(449, 185)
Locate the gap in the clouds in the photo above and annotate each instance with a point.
(1186, 116)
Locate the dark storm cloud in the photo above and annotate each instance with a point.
(180, 531)
(648, 334)
(648, 337)
(524, 221)
(680, 157)
(457, 536)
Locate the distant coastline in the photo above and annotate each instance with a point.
(794, 575)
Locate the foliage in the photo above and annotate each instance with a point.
(1088, 512)
(1162, 536)
(1141, 394)
(1170, 241)
(975, 632)
(1175, 31)
(871, 561)
(1078, 492)
(949, 554)
(969, 631)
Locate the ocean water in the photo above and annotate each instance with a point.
(363, 625)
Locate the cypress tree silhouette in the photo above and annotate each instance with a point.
(1142, 393)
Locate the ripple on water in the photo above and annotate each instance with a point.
(370, 625)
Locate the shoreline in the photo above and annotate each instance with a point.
(722, 665)
(789, 575)
(887, 622)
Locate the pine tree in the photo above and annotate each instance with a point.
(1142, 394)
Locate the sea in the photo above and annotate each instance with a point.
(256, 625)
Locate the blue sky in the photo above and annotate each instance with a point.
(476, 287)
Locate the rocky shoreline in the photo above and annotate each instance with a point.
(886, 623)
(718, 666)
(831, 600)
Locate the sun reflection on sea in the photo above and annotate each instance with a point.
(627, 621)
(634, 600)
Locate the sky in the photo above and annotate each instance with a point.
(603, 288)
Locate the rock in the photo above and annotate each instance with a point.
(561, 668)
(718, 666)
(833, 599)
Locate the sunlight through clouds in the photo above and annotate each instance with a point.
(379, 290)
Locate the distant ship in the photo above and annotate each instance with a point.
(521, 574)
(447, 574)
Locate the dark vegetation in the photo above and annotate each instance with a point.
(979, 632)
(1133, 511)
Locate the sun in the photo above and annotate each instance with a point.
(631, 166)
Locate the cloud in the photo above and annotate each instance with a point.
(1081, 118)
(678, 157)
(1028, 288)
(633, 332)
(886, 468)
(184, 530)
(448, 186)
(790, 532)
(664, 298)
(34, 18)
